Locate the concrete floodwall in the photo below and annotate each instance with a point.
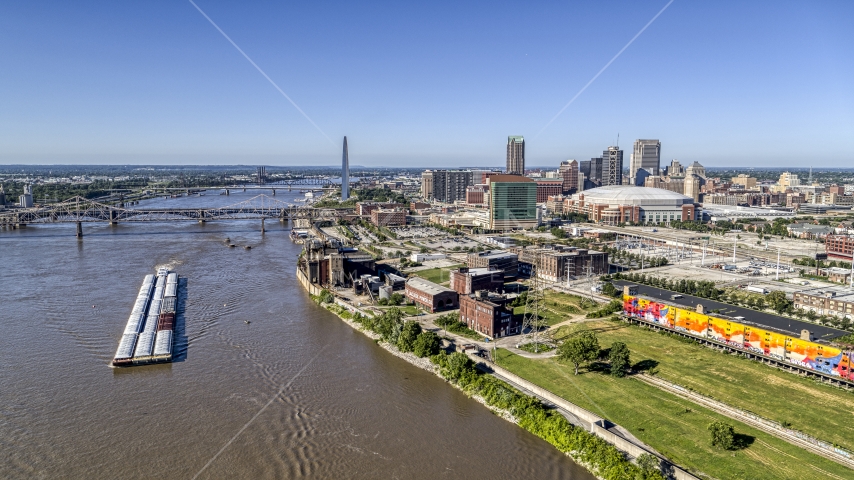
(310, 287)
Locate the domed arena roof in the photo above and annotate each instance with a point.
(631, 195)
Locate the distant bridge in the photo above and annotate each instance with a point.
(80, 210)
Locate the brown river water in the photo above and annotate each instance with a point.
(295, 393)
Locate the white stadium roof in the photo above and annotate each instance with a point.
(632, 195)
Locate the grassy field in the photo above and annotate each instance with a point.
(677, 428)
(442, 276)
(558, 307)
(819, 410)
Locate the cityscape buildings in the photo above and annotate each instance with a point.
(568, 172)
(612, 166)
(515, 155)
(512, 202)
(646, 155)
(445, 185)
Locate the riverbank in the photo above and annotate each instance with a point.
(595, 453)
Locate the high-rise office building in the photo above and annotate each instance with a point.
(427, 185)
(345, 173)
(516, 155)
(512, 202)
(445, 185)
(568, 172)
(675, 169)
(612, 166)
(646, 155)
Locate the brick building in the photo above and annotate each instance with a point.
(365, 208)
(825, 303)
(547, 188)
(432, 297)
(556, 262)
(469, 280)
(489, 314)
(476, 194)
(839, 246)
(382, 217)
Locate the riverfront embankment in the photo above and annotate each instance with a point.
(591, 445)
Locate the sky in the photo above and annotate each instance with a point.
(425, 84)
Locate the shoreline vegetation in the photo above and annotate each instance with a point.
(405, 340)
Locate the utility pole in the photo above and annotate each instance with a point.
(778, 263)
(734, 245)
(531, 318)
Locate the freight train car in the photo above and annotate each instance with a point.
(741, 335)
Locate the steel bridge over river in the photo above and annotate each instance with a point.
(80, 210)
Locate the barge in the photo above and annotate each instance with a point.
(149, 334)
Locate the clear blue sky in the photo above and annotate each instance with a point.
(425, 83)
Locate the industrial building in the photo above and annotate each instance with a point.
(431, 296)
(489, 314)
(555, 263)
(495, 259)
(467, 280)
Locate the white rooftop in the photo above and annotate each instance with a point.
(427, 286)
(632, 195)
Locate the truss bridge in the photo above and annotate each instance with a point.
(80, 210)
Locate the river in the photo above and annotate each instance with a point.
(295, 393)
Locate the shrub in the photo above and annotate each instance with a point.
(723, 435)
(426, 345)
(408, 335)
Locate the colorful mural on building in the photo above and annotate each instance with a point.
(815, 356)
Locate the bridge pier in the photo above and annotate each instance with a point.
(244, 189)
(262, 224)
(113, 217)
(274, 192)
(79, 230)
(227, 193)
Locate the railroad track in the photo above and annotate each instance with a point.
(753, 420)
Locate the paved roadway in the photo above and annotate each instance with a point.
(776, 322)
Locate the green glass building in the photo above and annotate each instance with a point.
(512, 202)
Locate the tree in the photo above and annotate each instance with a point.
(619, 359)
(580, 349)
(723, 435)
(778, 301)
(610, 290)
(396, 299)
(650, 466)
(408, 335)
(426, 345)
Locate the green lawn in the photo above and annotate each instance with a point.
(442, 275)
(819, 410)
(675, 427)
(557, 307)
(410, 310)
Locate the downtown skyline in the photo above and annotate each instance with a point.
(425, 87)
